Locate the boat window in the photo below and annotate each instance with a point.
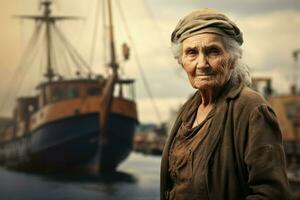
(57, 94)
(72, 93)
(93, 91)
(61, 93)
(125, 91)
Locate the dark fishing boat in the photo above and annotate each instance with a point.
(79, 123)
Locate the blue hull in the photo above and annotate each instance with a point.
(72, 143)
(120, 133)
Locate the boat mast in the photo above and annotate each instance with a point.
(49, 20)
(113, 63)
(49, 73)
(108, 90)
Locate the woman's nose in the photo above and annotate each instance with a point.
(202, 61)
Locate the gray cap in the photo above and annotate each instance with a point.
(206, 21)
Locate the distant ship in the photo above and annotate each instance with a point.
(71, 124)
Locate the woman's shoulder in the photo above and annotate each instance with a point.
(251, 104)
(251, 99)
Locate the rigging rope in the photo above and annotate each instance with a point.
(42, 63)
(104, 51)
(144, 79)
(28, 49)
(155, 24)
(83, 26)
(163, 40)
(30, 63)
(72, 56)
(61, 53)
(73, 53)
(52, 52)
(95, 33)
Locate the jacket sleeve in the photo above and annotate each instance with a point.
(264, 157)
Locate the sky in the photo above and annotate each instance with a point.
(270, 27)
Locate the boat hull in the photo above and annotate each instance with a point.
(72, 143)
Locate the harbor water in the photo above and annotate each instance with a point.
(136, 178)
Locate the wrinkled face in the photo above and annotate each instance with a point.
(206, 61)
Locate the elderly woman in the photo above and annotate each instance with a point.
(226, 142)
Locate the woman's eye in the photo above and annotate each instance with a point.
(191, 52)
(213, 51)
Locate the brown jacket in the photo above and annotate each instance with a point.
(244, 154)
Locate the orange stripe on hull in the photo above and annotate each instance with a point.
(68, 108)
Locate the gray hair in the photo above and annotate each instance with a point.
(241, 70)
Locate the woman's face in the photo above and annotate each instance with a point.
(206, 61)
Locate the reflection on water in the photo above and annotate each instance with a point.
(137, 178)
(104, 178)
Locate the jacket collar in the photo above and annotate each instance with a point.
(231, 90)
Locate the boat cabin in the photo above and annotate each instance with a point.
(52, 92)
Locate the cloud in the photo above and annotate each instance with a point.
(243, 8)
(269, 42)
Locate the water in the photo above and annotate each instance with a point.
(137, 178)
